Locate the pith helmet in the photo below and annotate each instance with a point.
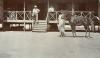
(35, 6)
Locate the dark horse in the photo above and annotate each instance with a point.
(75, 20)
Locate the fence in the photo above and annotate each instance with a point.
(52, 16)
(20, 18)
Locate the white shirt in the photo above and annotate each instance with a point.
(61, 23)
(61, 20)
(51, 9)
(35, 11)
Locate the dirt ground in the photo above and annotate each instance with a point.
(48, 45)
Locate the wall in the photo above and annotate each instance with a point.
(99, 8)
(1, 10)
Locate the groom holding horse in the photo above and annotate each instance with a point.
(61, 24)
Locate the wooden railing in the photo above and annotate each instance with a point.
(21, 18)
(26, 16)
(19, 15)
(53, 16)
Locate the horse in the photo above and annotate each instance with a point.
(97, 19)
(75, 20)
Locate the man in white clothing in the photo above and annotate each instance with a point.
(35, 13)
(61, 24)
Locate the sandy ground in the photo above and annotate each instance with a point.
(48, 45)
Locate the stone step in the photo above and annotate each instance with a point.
(39, 30)
(41, 26)
(42, 23)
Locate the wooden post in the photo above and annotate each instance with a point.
(99, 14)
(56, 16)
(47, 11)
(24, 15)
(73, 7)
(47, 14)
(16, 15)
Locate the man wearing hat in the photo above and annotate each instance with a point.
(35, 13)
(61, 24)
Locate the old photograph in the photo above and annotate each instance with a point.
(49, 28)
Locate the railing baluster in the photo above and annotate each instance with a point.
(56, 16)
(16, 15)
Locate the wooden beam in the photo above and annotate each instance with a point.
(19, 21)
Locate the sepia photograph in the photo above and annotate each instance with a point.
(49, 28)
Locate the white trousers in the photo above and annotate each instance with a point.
(35, 16)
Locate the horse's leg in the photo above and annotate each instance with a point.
(73, 33)
(88, 29)
(73, 30)
(85, 27)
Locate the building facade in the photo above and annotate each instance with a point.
(43, 5)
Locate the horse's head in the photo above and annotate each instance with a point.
(96, 17)
(67, 15)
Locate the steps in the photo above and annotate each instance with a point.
(41, 26)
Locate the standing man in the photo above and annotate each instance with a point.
(35, 13)
(61, 24)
